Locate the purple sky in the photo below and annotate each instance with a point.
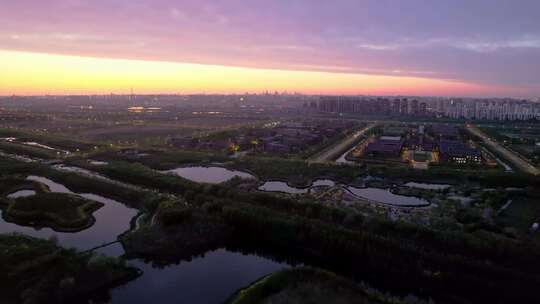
(494, 42)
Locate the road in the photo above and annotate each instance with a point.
(335, 151)
(510, 156)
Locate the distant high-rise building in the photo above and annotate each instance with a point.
(469, 109)
(414, 108)
(371, 106)
(423, 109)
(396, 106)
(499, 109)
(404, 110)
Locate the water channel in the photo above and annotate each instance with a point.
(211, 278)
(112, 220)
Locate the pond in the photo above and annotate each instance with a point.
(210, 175)
(212, 278)
(112, 220)
(384, 196)
(279, 186)
(323, 182)
(22, 193)
(97, 162)
(427, 186)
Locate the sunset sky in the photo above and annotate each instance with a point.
(413, 47)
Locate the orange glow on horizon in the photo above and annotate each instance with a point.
(25, 73)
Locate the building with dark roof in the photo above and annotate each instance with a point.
(276, 147)
(444, 131)
(456, 152)
(385, 147)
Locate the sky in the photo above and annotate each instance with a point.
(376, 47)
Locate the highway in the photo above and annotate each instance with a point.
(335, 151)
(510, 156)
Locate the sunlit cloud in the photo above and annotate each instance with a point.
(475, 42)
(33, 73)
(69, 37)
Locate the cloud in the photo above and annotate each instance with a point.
(477, 45)
(483, 41)
(379, 47)
(496, 46)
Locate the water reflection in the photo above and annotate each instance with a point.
(427, 186)
(211, 175)
(112, 220)
(279, 186)
(22, 193)
(209, 279)
(386, 197)
(97, 162)
(323, 182)
(53, 186)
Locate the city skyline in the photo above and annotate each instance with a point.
(346, 47)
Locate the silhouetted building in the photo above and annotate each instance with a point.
(456, 152)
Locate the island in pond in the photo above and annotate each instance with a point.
(60, 211)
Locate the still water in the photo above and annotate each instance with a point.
(386, 197)
(21, 193)
(323, 182)
(427, 186)
(112, 220)
(212, 278)
(209, 279)
(211, 175)
(279, 186)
